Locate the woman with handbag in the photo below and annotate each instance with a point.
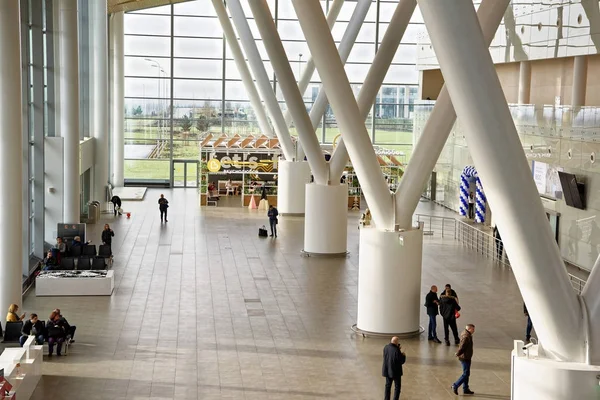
(55, 332)
(272, 214)
(449, 309)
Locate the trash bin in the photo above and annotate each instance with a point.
(93, 212)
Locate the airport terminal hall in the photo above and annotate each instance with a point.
(300, 199)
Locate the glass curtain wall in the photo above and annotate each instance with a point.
(181, 81)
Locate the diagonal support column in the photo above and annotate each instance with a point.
(262, 78)
(339, 92)
(293, 98)
(498, 155)
(238, 57)
(309, 69)
(591, 297)
(438, 127)
(377, 72)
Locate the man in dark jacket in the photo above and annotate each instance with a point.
(272, 214)
(465, 354)
(499, 244)
(431, 303)
(393, 358)
(448, 309)
(452, 291)
(529, 325)
(116, 200)
(33, 326)
(163, 204)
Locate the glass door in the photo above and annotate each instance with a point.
(185, 173)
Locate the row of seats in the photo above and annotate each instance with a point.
(90, 251)
(83, 263)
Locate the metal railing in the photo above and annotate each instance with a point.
(475, 239)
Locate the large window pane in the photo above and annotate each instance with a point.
(186, 68)
(199, 8)
(147, 46)
(147, 87)
(198, 26)
(201, 48)
(197, 89)
(147, 24)
(147, 66)
(147, 169)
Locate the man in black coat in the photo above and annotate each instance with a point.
(431, 303)
(448, 309)
(393, 358)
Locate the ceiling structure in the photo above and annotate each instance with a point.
(133, 5)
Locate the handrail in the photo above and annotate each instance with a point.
(474, 238)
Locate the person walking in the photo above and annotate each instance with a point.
(448, 309)
(107, 235)
(471, 206)
(499, 244)
(465, 354)
(529, 325)
(272, 214)
(163, 204)
(432, 303)
(393, 358)
(116, 200)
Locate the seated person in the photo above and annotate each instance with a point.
(213, 193)
(61, 246)
(77, 242)
(69, 329)
(32, 327)
(50, 262)
(12, 315)
(55, 333)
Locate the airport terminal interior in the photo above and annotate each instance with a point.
(275, 199)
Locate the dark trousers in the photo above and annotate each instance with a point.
(163, 214)
(452, 324)
(273, 224)
(39, 340)
(529, 328)
(471, 209)
(397, 386)
(71, 331)
(432, 334)
(464, 378)
(499, 248)
(58, 342)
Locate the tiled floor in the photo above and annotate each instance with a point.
(204, 309)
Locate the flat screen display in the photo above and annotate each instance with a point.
(573, 191)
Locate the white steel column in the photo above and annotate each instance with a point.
(293, 98)
(374, 79)
(438, 127)
(591, 297)
(69, 105)
(524, 81)
(240, 62)
(262, 79)
(117, 97)
(579, 81)
(99, 98)
(309, 69)
(11, 212)
(339, 92)
(492, 139)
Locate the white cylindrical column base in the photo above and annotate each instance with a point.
(389, 281)
(326, 220)
(541, 378)
(291, 186)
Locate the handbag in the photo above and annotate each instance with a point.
(456, 314)
(262, 232)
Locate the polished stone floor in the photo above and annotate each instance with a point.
(204, 309)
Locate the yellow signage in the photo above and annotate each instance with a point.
(213, 165)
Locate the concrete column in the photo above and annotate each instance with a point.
(326, 219)
(524, 82)
(69, 105)
(438, 127)
(99, 97)
(287, 83)
(11, 212)
(376, 75)
(477, 96)
(240, 62)
(291, 186)
(339, 92)
(117, 62)
(262, 78)
(591, 296)
(579, 81)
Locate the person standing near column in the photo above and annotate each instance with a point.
(471, 206)
(272, 214)
(432, 302)
(393, 358)
(529, 324)
(163, 204)
(499, 244)
(465, 354)
(448, 309)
